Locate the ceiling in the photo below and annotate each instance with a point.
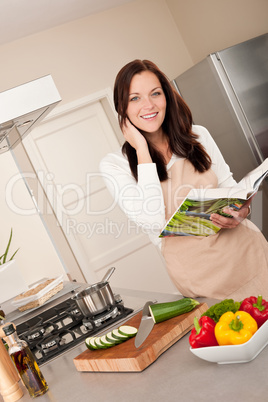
(21, 18)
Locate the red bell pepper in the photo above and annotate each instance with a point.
(202, 334)
(257, 308)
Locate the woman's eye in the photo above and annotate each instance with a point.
(134, 98)
(157, 93)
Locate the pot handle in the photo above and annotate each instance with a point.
(108, 274)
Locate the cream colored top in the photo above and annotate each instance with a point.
(143, 201)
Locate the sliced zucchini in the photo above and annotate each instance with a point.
(90, 343)
(111, 338)
(105, 342)
(127, 330)
(119, 336)
(98, 343)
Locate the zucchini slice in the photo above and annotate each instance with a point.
(127, 330)
(105, 342)
(112, 339)
(98, 343)
(119, 336)
(90, 343)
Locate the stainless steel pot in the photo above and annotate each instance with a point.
(96, 298)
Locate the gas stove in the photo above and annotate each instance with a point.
(64, 326)
(60, 326)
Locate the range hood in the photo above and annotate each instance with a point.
(23, 107)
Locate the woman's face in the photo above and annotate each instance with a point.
(147, 102)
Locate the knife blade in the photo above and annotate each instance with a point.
(146, 325)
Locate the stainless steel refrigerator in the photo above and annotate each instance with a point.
(227, 93)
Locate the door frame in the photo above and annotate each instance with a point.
(104, 96)
(34, 185)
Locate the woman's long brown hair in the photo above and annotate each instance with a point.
(177, 124)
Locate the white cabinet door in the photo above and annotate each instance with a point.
(66, 150)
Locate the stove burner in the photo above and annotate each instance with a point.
(96, 321)
(75, 312)
(64, 326)
(36, 333)
(39, 331)
(55, 341)
(51, 343)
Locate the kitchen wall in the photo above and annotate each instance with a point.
(84, 56)
(207, 26)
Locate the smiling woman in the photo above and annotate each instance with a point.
(152, 91)
(164, 156)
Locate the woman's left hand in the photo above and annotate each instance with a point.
(230, 223)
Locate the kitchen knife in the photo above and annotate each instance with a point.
(146, 325)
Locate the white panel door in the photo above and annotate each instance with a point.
(66, 151)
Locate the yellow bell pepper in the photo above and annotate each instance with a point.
(235, 328)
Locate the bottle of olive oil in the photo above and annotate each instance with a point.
(25, 363)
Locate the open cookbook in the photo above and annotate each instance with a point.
(192, 218)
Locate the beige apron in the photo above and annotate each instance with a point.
(230, 264)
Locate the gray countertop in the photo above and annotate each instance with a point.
(177, 375)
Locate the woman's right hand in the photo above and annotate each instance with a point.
(137, 141)
(133, 136)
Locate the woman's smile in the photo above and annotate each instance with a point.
(149, 116)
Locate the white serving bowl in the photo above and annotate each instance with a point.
(235, 353)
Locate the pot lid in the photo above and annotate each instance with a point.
(23, 107)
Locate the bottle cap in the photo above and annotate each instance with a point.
(9, 329)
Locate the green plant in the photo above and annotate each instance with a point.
(3, 258)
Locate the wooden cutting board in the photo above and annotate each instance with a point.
(126, 357)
